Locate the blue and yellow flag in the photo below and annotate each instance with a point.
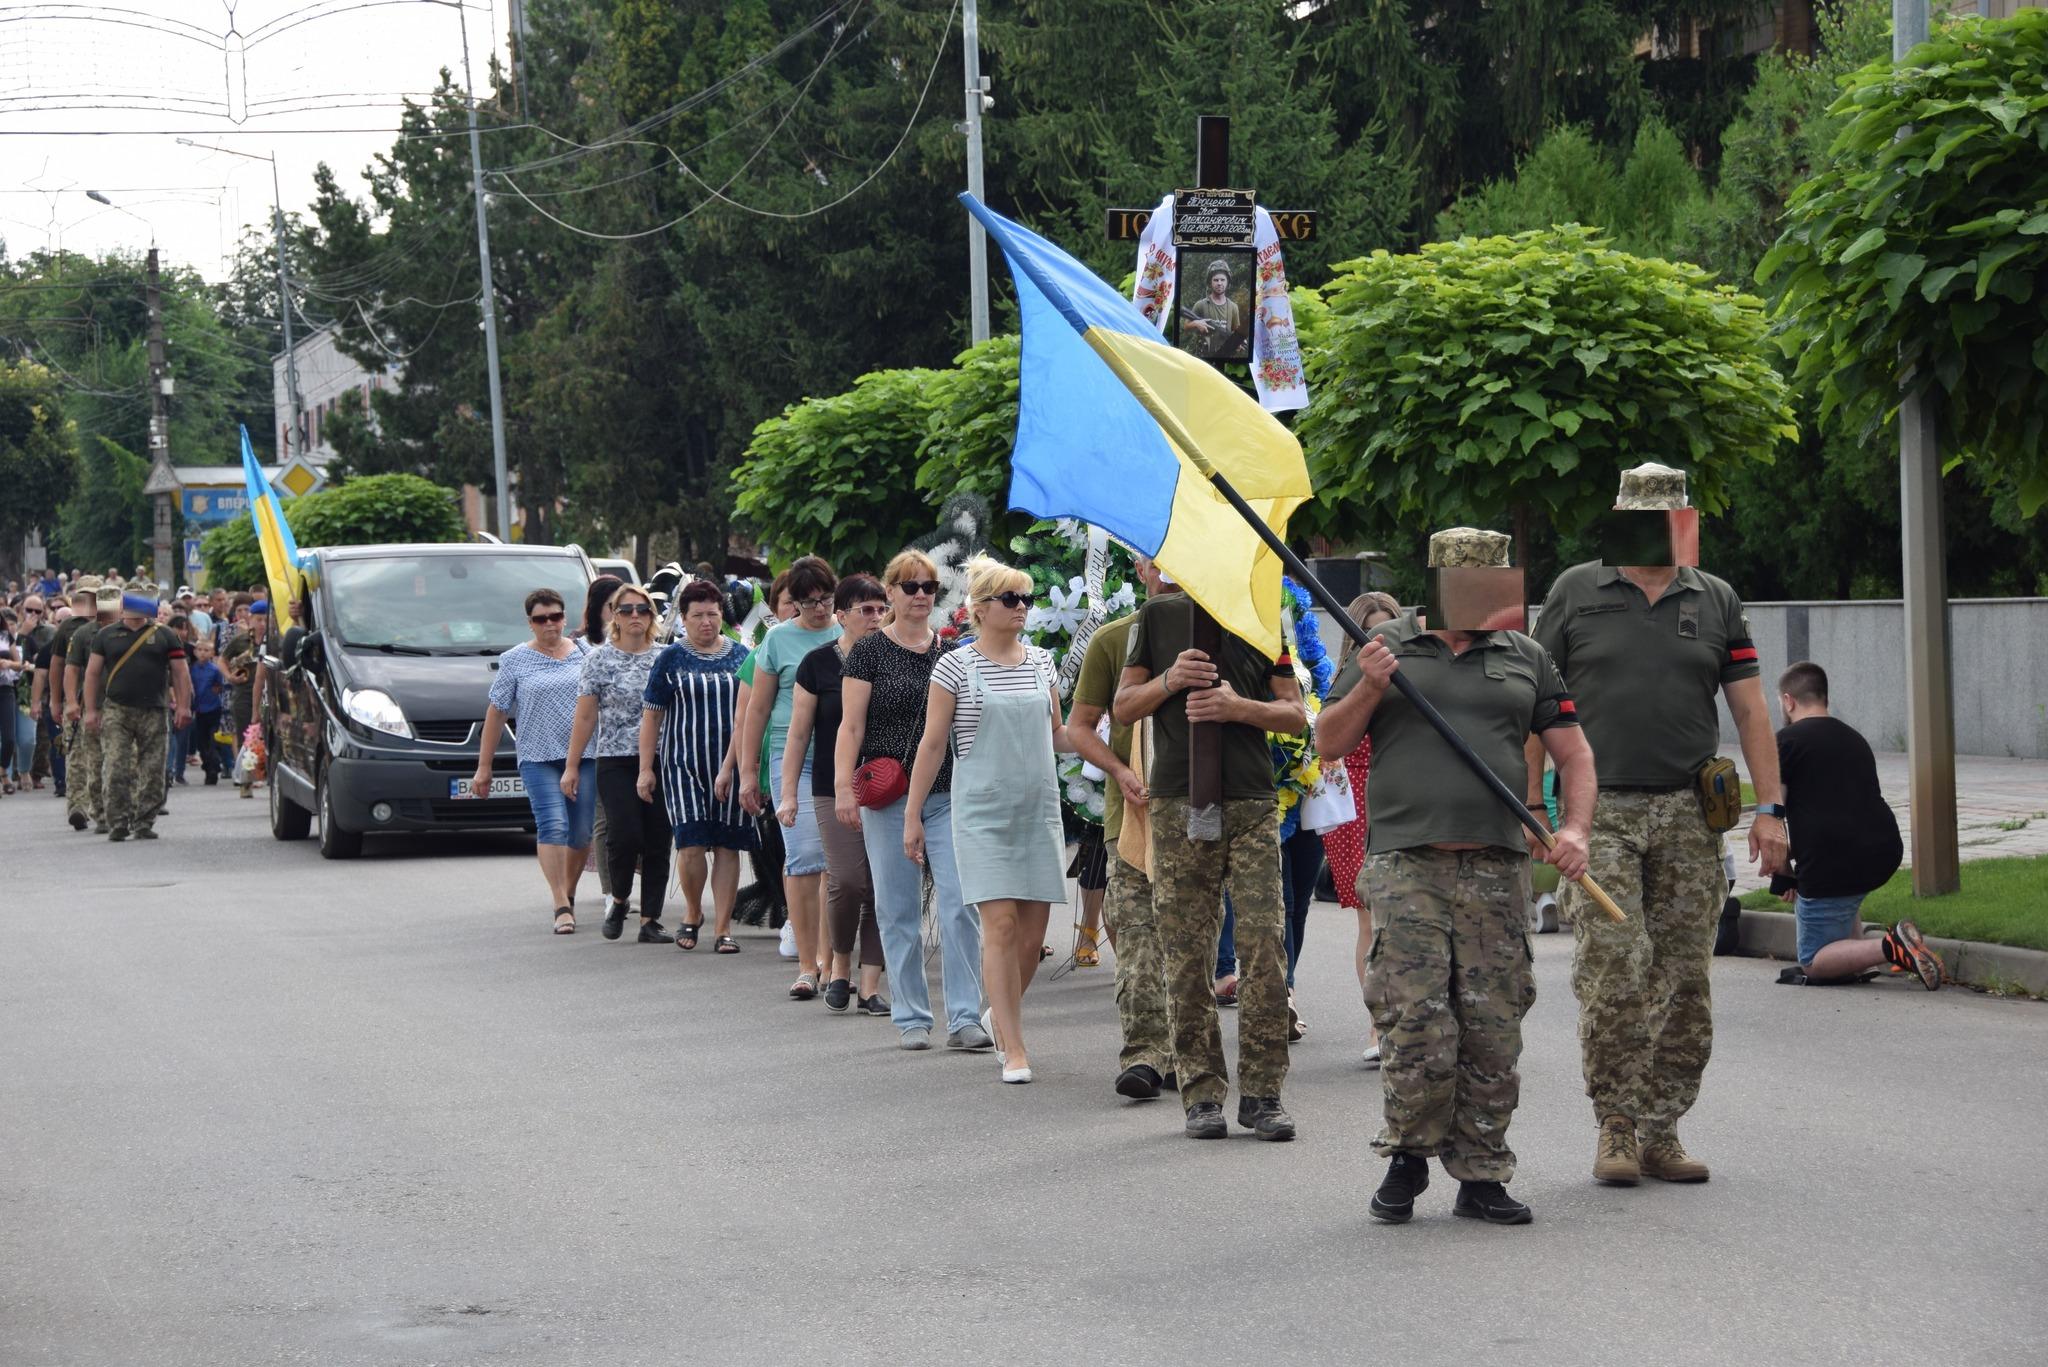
(1119, 428)
(273, 533)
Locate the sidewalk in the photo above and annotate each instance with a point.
(1989, 792)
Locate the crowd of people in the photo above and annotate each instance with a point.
(113, 691)
(908, 775)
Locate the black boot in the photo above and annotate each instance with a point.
(1489, 1201)
(1407, 1178)
(1139, 1082)
(1265, 1117)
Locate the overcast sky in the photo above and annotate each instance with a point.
(308, 80)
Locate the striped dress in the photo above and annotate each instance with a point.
(695, 692)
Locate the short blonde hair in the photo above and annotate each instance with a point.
(910, 564)
(611, 605)
(987, 576)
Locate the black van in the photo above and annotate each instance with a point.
(373, 707)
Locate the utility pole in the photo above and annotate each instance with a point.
(1930, 691)
(500, 474)
(979, 102)
(163, 481)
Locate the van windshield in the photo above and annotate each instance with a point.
(466, 603)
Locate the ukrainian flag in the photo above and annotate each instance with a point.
(1118, 428)
(273, 533)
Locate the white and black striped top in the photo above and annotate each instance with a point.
(1034, 675)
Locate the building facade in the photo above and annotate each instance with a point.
(327, 376)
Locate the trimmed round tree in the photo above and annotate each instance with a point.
(1488, 377)
(1917, 258)
(368, 510)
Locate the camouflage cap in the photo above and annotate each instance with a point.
(1217, 267)
(1651, 487)
(107, 597)
(86, 583)
(1457, 548)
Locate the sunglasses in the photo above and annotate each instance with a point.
(1009, 599)
(928, 587)
(871, 609)
(633, 610)
(542, 619)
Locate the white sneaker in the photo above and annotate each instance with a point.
(1372, 1056)
(786, 947)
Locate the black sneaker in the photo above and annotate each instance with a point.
(78, 821)
(1139, 1082)
(99, 828)
(877, 1005)
(1205, 1121)
(1489, 1201)
(145, 834)
(118, 833)
(212, 779)
(615, 920)
(1407, 1178)
(1171, 1082)
(838, 994)
(1265, 1117)
(651, 933)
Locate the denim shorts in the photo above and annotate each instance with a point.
(556, 820)
(803, 849)
(1824, 920)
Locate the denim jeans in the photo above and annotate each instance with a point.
(1301, 863)
(180, 746)
(556, 820)
(1820, 921)
(899, 909)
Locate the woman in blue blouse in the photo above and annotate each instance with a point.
(536, 687)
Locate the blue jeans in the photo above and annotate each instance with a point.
(899, 911)
(1301, 863)
(1226, 943)
(1824, 920)
(175, 752)
(803, 849)
(556, 820)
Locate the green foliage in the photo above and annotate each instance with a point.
(1641, 200)
(108, 522)
(38, 454)
(971, 427)
(367, 511)
(1487, 375)
(1916, 257)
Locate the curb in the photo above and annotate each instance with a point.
(1997, 968)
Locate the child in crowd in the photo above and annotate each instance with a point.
(207, 697)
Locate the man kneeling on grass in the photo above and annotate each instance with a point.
(1845, 841)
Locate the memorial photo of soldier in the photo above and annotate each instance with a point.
(1214, 303)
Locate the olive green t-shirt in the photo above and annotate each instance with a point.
(1647, 673)
(1157, 640)
(77, 656)
(1101, 667)
(240, 654)
(60, 649)
(143, 680)
(1501, 690)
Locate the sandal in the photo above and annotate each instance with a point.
(1226, 990)
(686, 937)
(725, 944)
(565, 927)
(804, 988)
(1086, 955)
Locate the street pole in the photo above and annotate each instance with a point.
(162, 486)
(499, 472)
(1930, 693)
(977, 102)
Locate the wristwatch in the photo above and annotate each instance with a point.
(1776, 809)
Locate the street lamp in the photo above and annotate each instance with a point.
(98, 198)
(284, 299)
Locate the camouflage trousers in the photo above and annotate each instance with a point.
(1189, 879)
(1646, 1010)
(1140, 969)
(134, 741)
(1448, 979)
(82, 771)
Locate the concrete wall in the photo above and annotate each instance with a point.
(1999, 664)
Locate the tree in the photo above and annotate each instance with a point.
(1643, 201)
(371, 510)
(1486, 376)
(107, 523)
(1916, 260)
(38, 456)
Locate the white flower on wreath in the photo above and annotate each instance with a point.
(1069, 606)
(1123, 600)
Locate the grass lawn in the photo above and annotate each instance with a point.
(2003, 901)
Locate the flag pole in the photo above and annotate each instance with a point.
(1408, 690)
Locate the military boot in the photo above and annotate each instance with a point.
(1665, 1159)
(1615, 1159)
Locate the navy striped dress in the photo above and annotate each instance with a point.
(695, 693)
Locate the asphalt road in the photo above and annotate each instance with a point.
(264, 1109)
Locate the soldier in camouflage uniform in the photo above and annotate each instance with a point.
(134, 662)
(84, 751)
(1646, 648)
(63, 688)
(1248, 694)
(1448, 976)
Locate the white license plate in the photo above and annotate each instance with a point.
(502, 785)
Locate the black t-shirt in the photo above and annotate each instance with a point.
(1845, 840)
(901, 681)
(142, 681)
(818, 673)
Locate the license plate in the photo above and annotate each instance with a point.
(502, 785)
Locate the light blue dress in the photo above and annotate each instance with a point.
(1007, 837)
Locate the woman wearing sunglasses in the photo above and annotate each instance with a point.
(883, 702)
(996, 700)
(609, 704)
(849, 893)
(536, 687)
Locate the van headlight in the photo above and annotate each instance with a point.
(374, 708)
